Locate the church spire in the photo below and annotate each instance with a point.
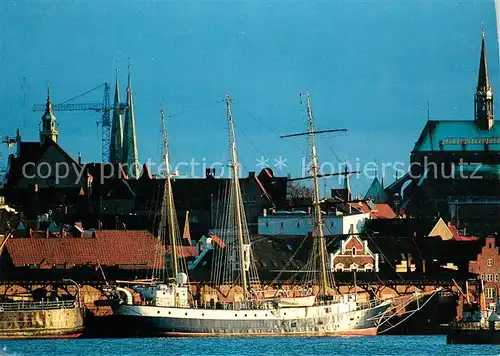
(130, 154)
(484, 94)
(115, 150)
(49, 130)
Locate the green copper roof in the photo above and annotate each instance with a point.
(457, 135)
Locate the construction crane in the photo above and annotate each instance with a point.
(103, 107)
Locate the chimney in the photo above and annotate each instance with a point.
(251, 174)
(79, 158)
(209, 172)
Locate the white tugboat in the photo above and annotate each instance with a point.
(166, 308)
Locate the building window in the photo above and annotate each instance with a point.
(482, 276)
(490, 293)
(490, 262)
(353, 251)
(489, 277)
(496, 277)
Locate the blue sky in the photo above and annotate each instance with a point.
(370, 67)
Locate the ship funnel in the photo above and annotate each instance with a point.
(182, 278)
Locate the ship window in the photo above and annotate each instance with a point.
(169, 312)
(202, 314)
(490, 262)
(255, 315)
(245, 315)
(281, 225)
(158, 312)
(235, 314)
(185, 313)
(298, 224)
(267, 224)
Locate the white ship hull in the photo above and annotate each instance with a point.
(328, 319)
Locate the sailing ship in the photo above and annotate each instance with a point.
(166, 308)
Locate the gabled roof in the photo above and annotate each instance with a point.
(449, 135)
(399, 227)
(376, 192)
(127, 248)
(32, 152)
(376, 211)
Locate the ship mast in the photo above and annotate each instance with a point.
(318, 220)
(169, 198)
(237, 192)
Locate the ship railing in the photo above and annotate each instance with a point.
(42, 305)
(475, 325)
(355, 305)
(252, 304)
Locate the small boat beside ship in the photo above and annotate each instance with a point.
(166, 307)
(42, 319)
(480, 323)
(27, 317)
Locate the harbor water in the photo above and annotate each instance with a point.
(379, 345)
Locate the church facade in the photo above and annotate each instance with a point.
(455, 165)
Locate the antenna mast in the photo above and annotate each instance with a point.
(237, 198)
(318, 220)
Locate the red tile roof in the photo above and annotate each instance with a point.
(127, 248)
(184, 251)
(383, 211)
(459, 237)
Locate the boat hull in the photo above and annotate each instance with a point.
(473, 336)
(299, 321)
(41, 323)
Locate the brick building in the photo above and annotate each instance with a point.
(487, 267)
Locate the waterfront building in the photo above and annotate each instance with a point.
(487, 267)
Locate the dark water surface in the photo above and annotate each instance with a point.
(378, 345)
